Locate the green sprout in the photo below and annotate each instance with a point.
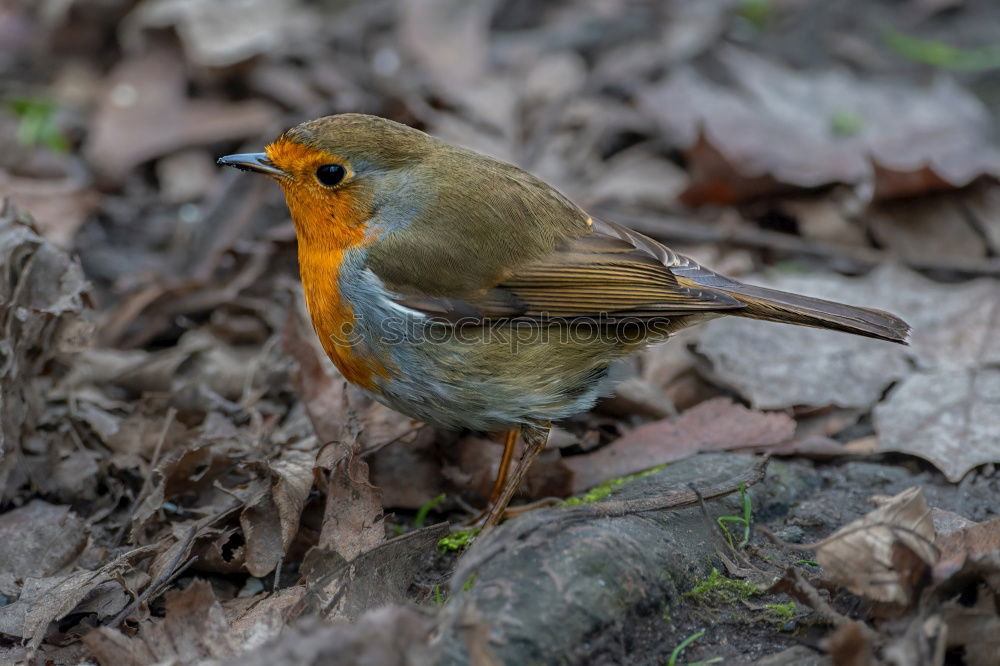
(938, 54)
(675, 654)
(425, 508)
(36, 123)
(846, 124)
(742, 520)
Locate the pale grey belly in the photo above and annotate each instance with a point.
(491, 379)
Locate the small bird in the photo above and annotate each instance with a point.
(465, 292)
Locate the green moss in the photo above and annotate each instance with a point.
(469, 582)
(598, 493)
(757, 13)
(716, 590)
(945, 56)
(458, 540)
(782, 612)
(845, 123)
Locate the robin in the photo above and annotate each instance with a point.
(465, 292)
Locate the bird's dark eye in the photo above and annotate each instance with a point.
(330, 174)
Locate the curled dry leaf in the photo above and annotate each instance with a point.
(714, 425)
(43, 297)
(861, 555)
(270, 521)
(44, 600)
(781, 129)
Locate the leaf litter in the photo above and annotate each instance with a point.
(200, 484)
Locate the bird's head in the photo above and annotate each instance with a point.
(338, 171)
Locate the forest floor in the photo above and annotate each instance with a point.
(186, 479)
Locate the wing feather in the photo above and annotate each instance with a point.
(609, 272)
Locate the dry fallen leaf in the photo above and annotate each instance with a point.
(145, 113)
(217, 33)
(43, 298)
(781, 129)
(345, 589)
(40, 539)
(776, 366)
(950, 418)
(271, 520)
(975, 628)
(389, 636)
(860, 555)
(944, 407)
(714, 425)
(193, 629)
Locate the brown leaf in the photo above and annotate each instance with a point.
(339, 588)
(251, 27)
(970, 541)
(145, 113)
(194, 628)
(44, 600)
(859, 555)
(975, 628)
(778, 129)
(59, 206)
(777, 366)
(949, 418)
(265, 618)
(352, 517)
(40, 539)
(931, 229)
(849, 645)
(389, 636)
(271, 521)
(43, 299)
(954, 326)
(714, 425)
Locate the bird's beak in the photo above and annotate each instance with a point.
(253, 162)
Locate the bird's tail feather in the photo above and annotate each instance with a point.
(780, 306)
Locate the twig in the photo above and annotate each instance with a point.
(146, 482)
(672, 500)
(170, 572)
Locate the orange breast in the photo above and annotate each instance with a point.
(334, 320)
(328, 222)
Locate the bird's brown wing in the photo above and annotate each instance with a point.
(609, 272)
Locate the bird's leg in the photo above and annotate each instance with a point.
(535, 438)
(509, 445)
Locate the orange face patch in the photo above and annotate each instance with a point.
(328, 222)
